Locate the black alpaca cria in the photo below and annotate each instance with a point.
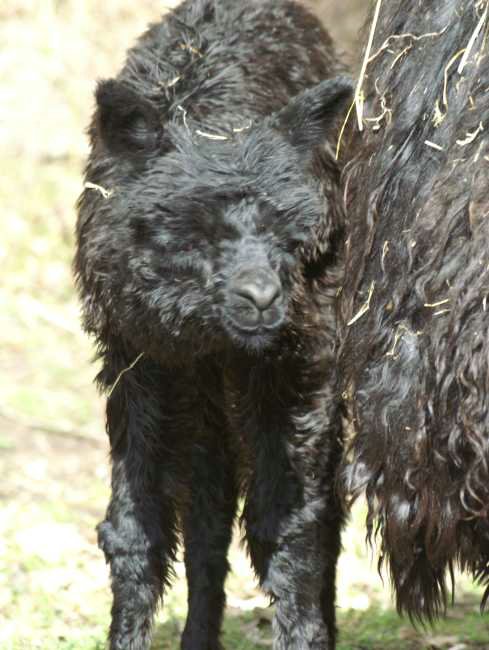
(414, 304)
(207, 266)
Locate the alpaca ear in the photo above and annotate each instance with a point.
(309, 118)
(126, 121)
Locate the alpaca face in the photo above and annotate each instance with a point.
(204, 239)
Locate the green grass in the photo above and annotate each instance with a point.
(376, 628)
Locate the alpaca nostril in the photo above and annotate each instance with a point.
(262, 291)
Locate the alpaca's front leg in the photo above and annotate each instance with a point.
(301, 575)
(294, 543)
(138, 534)
(138, 539)
(292, 515)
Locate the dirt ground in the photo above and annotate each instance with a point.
(344, 19)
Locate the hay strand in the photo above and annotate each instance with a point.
(342, 130)
(433, 145)
(413, 37)
(454, 58)
(98, 188)
(471, 136)
(436, 304)
(365, 307)
(184, 116)
(472, 41)
(123, 372)
(402, 329)
(359, 91)
(211, 136)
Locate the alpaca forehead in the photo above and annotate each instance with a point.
(247, 153)
(246, 180)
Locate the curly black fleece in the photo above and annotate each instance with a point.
(414, 318)
(203, 168)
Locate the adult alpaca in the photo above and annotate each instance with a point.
(415, 326)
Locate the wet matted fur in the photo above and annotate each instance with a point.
(414, 314)
(207, 267)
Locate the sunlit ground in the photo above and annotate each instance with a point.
(54, 481)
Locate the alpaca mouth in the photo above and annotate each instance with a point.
(251, 321)
(252, 334)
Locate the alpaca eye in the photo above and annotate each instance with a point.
(261, 228)
(290, 246)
